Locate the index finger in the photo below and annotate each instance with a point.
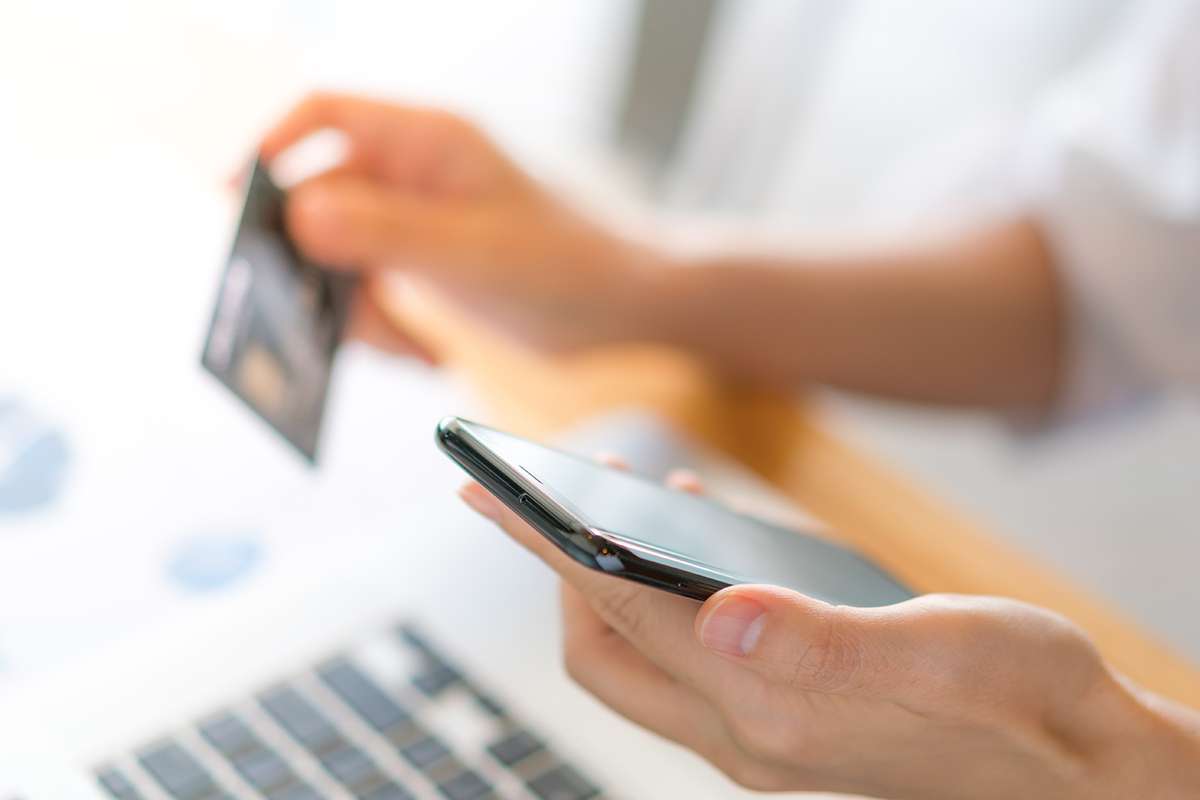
(353, 116)
(659, 624)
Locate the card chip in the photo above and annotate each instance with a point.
(262, 379)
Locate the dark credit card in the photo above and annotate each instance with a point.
(278, 321)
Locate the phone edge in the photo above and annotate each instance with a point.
(581, 542)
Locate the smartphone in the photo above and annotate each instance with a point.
(634, 528)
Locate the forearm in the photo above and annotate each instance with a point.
(976, 321)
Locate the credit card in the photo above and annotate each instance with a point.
(278, 321)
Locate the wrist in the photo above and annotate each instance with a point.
(645, 293)
(591, 286)
(745, 318)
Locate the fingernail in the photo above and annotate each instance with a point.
(479, 499)
(733, 627)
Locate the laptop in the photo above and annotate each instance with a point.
(420, 664)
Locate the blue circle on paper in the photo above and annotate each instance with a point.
(211, 563)
(34, 459)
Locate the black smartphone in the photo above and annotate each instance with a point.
(634, 528)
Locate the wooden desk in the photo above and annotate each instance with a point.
(921, 539)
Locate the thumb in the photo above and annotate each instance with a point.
(807, 644)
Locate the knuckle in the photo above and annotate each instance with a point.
(459, 124)
(577, 649)
(833, 662)
(967, 634)
(622, 608)
(971, 636)
(752, 774)
(316, 221)
(770, 739)
(982, 642)
(447, 123)
(575, 661)
(971, 652)
(584, 655)
(319, 99)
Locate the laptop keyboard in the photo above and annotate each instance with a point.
(392, 719)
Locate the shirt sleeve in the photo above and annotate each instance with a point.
(1113, 164)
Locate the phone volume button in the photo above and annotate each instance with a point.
(532, 505)
(536, 510)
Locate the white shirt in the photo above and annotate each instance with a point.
(806, 117)
(1115, 164)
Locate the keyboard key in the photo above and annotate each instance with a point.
(460, 722)
(363, 695)
(490, 705)
(465, 786)
(405, 733)
(562, 783)
(515, 747)
(229, 735)
(301, 719)
(444, 769)
(465, 718)
(351, 766)
(424, 753)
(178, 772)
(435, 679)
(437, 673)
(116, 784)
(295, 791)
(414, 639)
(264, 770)
(387, 791)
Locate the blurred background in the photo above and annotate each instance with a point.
(693, 120)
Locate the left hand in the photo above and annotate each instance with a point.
(426, 194)
(937, 697)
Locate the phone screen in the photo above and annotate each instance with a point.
(698, 529)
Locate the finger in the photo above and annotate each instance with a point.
(809, 645)
(658, 624)
(354, 116)
(329, 176)
(371, 324)
(608, 667)
(611, 460)
(684, 480)
(489, 506)
(351, 222)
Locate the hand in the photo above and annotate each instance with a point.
(425, 192)
(937, 697)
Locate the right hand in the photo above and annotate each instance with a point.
(426, 192)
(941, 696)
